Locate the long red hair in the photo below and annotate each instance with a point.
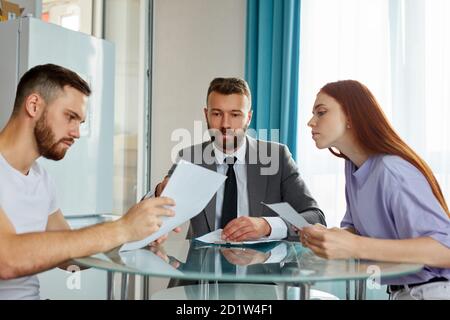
(373, 131)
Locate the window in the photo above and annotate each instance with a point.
(399, 49)
(125, 26)
(71, 14)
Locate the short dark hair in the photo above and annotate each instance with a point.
(48, 80)
(229, 86)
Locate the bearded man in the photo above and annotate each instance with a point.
(49, 108)
(257, 171)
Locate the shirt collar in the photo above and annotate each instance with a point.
(361, 174)
(239, 153)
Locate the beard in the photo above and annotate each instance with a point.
(218, 137)
(45, 139)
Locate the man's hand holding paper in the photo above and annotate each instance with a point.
(191, 187)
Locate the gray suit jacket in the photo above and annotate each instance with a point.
(272, 177)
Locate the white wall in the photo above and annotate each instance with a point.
(194, 42)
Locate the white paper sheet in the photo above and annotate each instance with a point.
(215, 238)
(284, 210)
(191, 187)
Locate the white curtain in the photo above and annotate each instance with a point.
(399, 49)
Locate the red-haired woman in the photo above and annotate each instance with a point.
(395, 208)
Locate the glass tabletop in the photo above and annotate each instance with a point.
(278, 261)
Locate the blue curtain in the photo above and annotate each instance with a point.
(272, 66)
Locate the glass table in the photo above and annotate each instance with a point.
(287, 264)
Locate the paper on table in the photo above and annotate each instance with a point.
(284, 210)
(215, 238)
(191, 187)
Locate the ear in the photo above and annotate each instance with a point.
(250, 115)
(34, 105)
(205, 110)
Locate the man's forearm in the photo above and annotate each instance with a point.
(36, 252)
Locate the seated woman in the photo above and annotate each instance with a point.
(396, 211)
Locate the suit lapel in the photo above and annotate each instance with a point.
(210, 209)
(210, 212)
(256, 183)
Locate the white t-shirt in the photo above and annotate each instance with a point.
(27, 201)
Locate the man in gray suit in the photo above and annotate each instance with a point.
(257, 171)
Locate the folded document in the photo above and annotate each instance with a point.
(191, 187)
(285, 211)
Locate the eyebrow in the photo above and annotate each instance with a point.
(236, 110)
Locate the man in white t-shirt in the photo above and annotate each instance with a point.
(49, 107)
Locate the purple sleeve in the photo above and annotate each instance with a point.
(347, 221)
(417, 212)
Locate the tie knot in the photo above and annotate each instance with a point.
(230, 161)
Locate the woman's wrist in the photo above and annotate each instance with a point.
(359, 244)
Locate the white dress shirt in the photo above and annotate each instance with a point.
(278, 226)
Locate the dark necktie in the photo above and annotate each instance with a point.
(229, 207)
